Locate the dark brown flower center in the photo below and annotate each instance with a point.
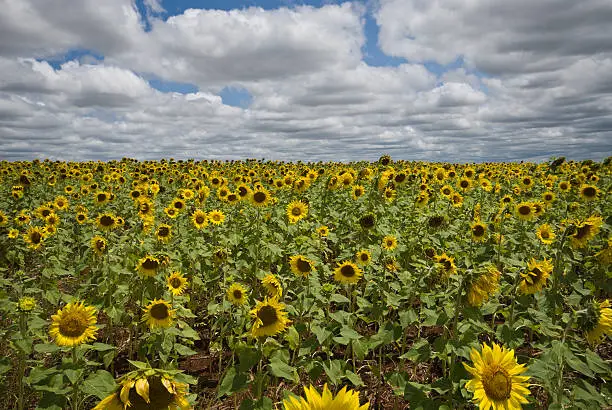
(72, 326)
(163, 231)
(267, 315)
(498, 387)
(259, 197)
(237, 294)
(347, 271)
(296, 211)
(150, 264)
(589, 192)
(199, 219)
(107, 220)
(524, 210)
(160, 311)
(582, 231)
(35, 237)
(478, 230)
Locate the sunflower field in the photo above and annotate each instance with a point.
(272, 285)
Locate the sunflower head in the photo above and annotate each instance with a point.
(98, 245)
(367, 221)
(496, 378)
(148, 265)
(345, 400)
(347, 272)
(478, 230)
(34, 237)
(272, 286)
(545, 234)
(589, 192)
(301, 265)
(237, 294)
(158, 314)
(363, 257)
(535, 277)
(164, 233)
(26, 304)
(216, 217)
(149, 389)
(270, 318)
(525, 211)
(296, 210)
(177, 283)
(596, 321)
(389, 243)
(73, 325)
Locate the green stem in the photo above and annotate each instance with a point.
(75, 386)
(21, 364)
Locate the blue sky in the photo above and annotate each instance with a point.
(483, 80)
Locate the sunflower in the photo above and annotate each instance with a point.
(260, 197)
(73, 325)
(446, 190)
(367, 221)
(465, 184)
(605, 255)
(81, 218)
(585, 231)
(98, 245)
(178, 204)
(300, 265)
(164, 233)
(545, 234)
(272, 286)
(106, 222)
(199, 219)
(22, 219)
(484, 286)
(101, 197)
(478, 230)
(447, 264)
(270, 318)
(171, 212)
(457, 200)
(158, 314)
(34, 237)
(296, 210)
(323, 231)
(548, 197)
(237, 294)
(363, 257)
(496, 380)
(525, 211)
(148, 265)
(344, 400)
(390, 194)
(536, 276)
(12, 234)
(177, 283)
(589, 192)
(147, 389)
(597, 322)
(43, 211)
(564, 186)
(357, 191)
(216, 217)
(347, 272)
(389, 243)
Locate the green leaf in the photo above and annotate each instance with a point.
(293, 337)
(595, 362)
(99, 384)
(102, 347)
(5, 365)
(264, 403)
(354, 378)
(349, 333)
(279, 368)
(338, 298)
(321, 333)
(183, 350)
(74, 375)
(232, 382)
(578, 365)
(139, 365)
(247, 357)
(334, 371)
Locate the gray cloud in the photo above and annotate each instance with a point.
(547, 88)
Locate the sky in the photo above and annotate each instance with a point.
(434, 80)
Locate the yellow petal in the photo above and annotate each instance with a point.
(142, 388)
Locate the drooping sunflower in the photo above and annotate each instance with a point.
(347, 272)
(216, 217)
(73, 325)
(596, 322)
(479, 231)
(106, 222)
(484, 286)
(389, 242)
(147, 389)
(367, 221)
(344, 400)
(585, 231)
(447, 264)
(148, 265)
(237, 294)
(272, 286)
(589, 192)
(525, 211)
(270, 318)
(34, 237)
(534, 279)
(98, 245)
(363, 257)
(545, 234)
(497, 382)
(177, 283)
(301, 265)
(296, 210)
(158, 314)
(164, 233)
